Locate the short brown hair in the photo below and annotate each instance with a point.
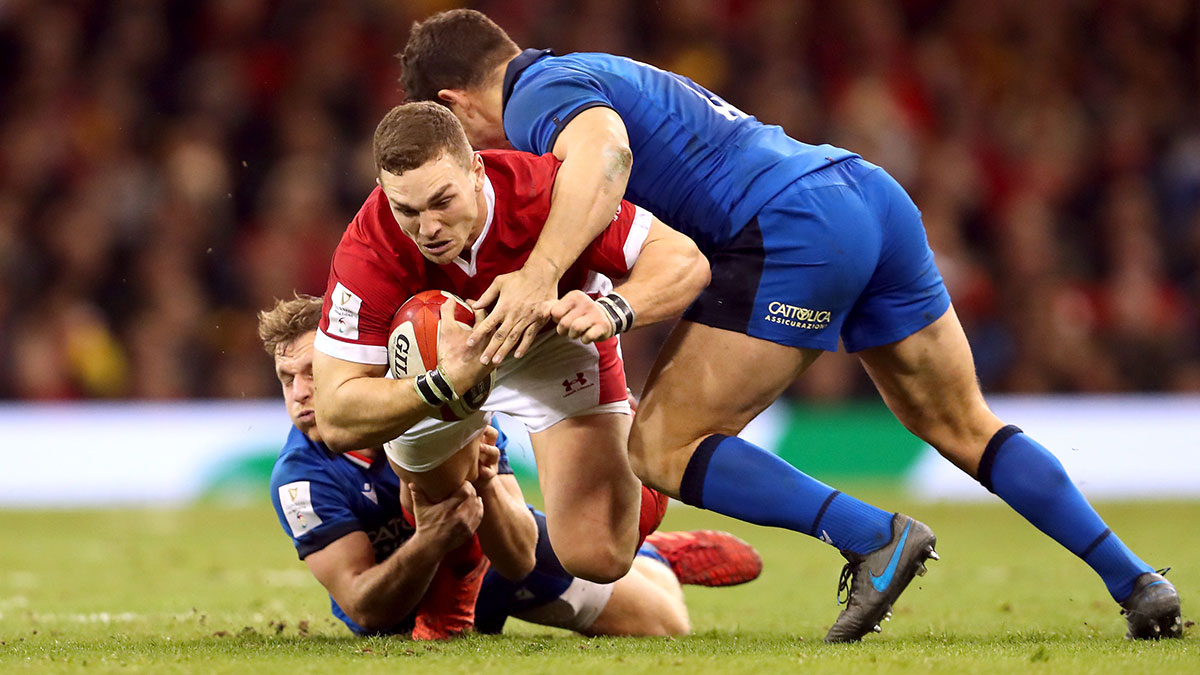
(415, 133)
(457, 49)
(288, 320)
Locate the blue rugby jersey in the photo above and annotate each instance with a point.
(699, 164)
(320, 497)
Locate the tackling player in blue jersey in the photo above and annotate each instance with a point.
(807, 244)
(379, 552)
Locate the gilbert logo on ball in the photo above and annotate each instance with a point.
(413, 347)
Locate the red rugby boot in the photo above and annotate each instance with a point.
(708, 557)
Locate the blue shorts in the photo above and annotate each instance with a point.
(548, 596)
(840, 252)
(499, 598)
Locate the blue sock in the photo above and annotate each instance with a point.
(741, 480)
(1033, 482)
(648, 550)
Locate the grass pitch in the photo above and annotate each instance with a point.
(214, 588)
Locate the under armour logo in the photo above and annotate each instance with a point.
(576, 384)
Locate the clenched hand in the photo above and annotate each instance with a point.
(522, 301)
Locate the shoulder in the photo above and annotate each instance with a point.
(515, 171)
(590, 70)
(573, 65)
(300, 459)
(550, 94)
(551, 80)
(522, 183)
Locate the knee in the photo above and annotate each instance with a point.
(655, 464)
(959, 435)
(601, 565)
(666, 624)
(676, 624)
(641, 463)
(672, 621)
(649, 619)
(639, 458)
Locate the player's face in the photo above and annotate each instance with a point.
(293, 367)
(439, 205)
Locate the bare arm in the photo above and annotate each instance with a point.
(378, 596)
(596, 161)
(508, 532)
(667, 276)
(357, 407)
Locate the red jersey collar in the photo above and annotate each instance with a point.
(358, 459)
(489, 196)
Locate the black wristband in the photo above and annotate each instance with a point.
(433, 387)
(619, 312)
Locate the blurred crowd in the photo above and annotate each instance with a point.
(168, 167)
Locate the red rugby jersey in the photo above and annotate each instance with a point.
(376, 267)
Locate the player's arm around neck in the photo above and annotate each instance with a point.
(596, 161)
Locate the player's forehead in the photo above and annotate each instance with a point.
(417, 186)
(295, 356)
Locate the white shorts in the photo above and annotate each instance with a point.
(430, 442)
(556, 379)
(577, 608)
(560, 378)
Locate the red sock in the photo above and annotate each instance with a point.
(654, 507)
(448, 608)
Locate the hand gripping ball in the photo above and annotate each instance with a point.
(413, 348)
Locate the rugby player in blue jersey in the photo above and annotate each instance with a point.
(807, 244)
(379, 548)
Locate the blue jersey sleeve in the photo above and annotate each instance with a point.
(312, 510)
(545, 103)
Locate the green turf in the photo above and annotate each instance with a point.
(218, 589)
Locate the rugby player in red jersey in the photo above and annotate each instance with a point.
(379, 549)
(446, 218)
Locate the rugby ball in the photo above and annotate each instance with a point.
(413, 347)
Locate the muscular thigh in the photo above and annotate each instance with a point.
(584, 475)
(928, 380)
(707, 381)
(445, 478)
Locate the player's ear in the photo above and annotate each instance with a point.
(477, 172)
(456, 99)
